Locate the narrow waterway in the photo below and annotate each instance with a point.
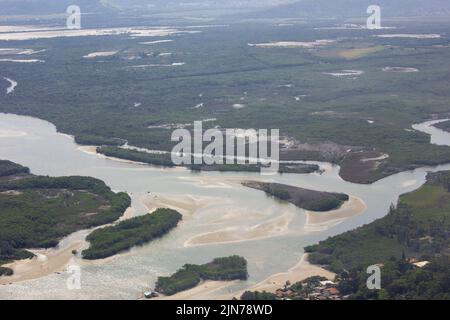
(269, 234)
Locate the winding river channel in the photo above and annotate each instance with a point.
(221, 217)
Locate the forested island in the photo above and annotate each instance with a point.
(37, 211)
(412, 244)
(190, 275)
(165, 160)
(108, 241)
(302, 198)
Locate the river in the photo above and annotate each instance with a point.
(212, 202)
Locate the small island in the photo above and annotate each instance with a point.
(165, 160)
(190, 275)
(302, 198)
(38, 211)
(111, 240)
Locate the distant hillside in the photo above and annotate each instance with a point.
(357, 8)
(35, 7)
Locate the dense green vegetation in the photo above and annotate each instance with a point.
(220, 269)
(417, 229)
(8, 168)
(401, 280)
(156, 159)
(87, 98)
(302, 198)
(108, 241)
(165, 160)
(37, 211)
(98, 141)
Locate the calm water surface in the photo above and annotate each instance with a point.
(36, 144)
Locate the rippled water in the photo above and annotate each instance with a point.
(36, 144)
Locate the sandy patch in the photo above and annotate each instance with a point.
(144, 66)
(12, 193)
(300, 272)
(22, 60)
(156, 42)
(293, 44)
(400, 69)
(46, 262)
(92, 150)
(212, 182)
(410, 36)
(18, 51)
(270, 228)
(12, 134)
(100, 54)
(384, 156)
(58, 33)
(321, 221)
(209, 290)
(186, 204)
(345, 73)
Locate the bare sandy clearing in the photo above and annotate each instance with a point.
(270, 228)
(412, 36)
(100, 54)
(345, 73)
(320, 221)
(293, 44)
(22, 60)
(400, 69)
(57, 33)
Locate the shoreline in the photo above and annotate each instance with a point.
(209, 289)
(45, 263)
(322, 221)
(55, 260)
(301, 271)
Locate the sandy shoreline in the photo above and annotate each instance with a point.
(210, 289)
(299, 272)
(46, 262)
(272, 227)
(92, 150)
(207, 290)
(320, 221)
(54, 260)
